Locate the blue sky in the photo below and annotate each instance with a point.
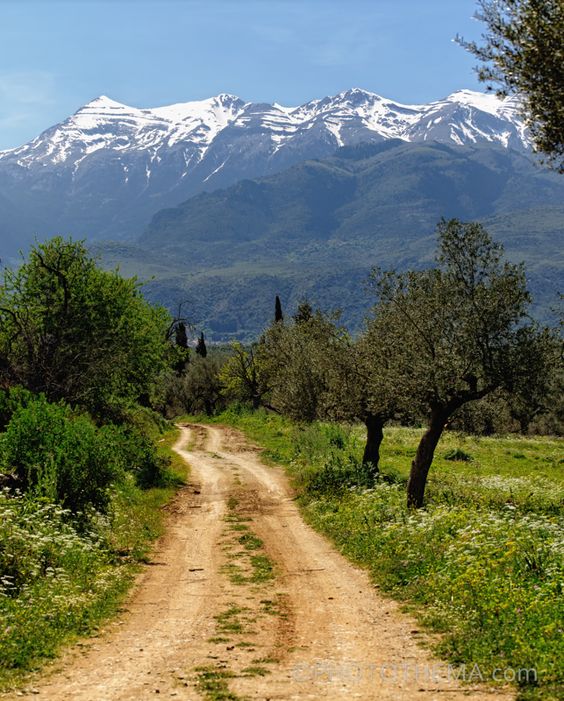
(57, 55)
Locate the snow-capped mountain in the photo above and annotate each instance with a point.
(105, 170)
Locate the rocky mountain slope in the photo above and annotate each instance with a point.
(104, 171)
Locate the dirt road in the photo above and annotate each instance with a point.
(244, 600)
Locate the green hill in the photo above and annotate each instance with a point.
(316, 230)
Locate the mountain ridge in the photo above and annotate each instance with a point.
(103, 172)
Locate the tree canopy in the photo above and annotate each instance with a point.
(456, 332)
(523, 53)
(75, 332)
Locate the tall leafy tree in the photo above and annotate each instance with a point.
(455, 333)
(201, 388)
(242, 376)
(358, 387)
(293, 358)
(78, 333)
(523, 52)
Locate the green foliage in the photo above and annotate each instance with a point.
(242, 377)
(458, 455)
(453, 329)
(523, 53)
(53, 581)
(75, 332)
(60, 456)
(338, 474)
(456, 333)
(63, 457)
(200, 390)
(58, 580)
(82, 507)
(136, 453)
(11, 400)
(293, 359)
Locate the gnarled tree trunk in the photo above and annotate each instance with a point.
(374, 436)
(424, 457)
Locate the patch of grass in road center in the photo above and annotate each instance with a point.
(212, 683)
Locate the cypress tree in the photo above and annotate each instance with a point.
(201, 346)
(181, 340)
(278, 316)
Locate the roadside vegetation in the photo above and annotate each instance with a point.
(417, 447)
(482, 564)
(85, 460)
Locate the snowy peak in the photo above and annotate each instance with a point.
(108, 168)
(351, 116)
(103, 102)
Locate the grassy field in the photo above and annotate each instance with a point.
(70, 579)
(482, 564)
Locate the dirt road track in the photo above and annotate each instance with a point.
(313, 628)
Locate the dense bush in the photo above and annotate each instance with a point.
(37, 540)
(136, 453)
(78, 333)
(60, 577)
(200, 389)
(61, 456)
(11, 400)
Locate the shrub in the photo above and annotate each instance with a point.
(136, 453)
(337, 474)
(11, 400)
(61, 456)
(458, 455)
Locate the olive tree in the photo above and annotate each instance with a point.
(242, 377)
(358, 387)
(523, 52)
(455, 333)
(200, 390)
(293, 358)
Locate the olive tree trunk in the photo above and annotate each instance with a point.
(424, 457)
(374, 436)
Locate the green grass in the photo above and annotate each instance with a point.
(212, 683)
(249, 565)
(482, 564)
(255, 671)
(250, 541)
(74, 580)
(232, 620)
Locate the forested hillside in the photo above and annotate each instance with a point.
(315, 230)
